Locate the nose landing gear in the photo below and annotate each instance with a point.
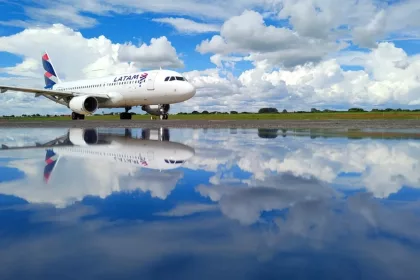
(126, 115)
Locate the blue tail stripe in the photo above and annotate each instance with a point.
(48, 82)
(49, 153)
(48, 67)
(49, 167)
(50, 164)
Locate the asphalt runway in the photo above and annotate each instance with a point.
(325, 124)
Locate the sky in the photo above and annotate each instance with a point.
(241, 55)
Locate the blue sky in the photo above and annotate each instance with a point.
(253, 54)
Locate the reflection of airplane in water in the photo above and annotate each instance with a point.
(158, 153)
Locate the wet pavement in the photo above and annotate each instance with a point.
(230, 203)
(254, 123)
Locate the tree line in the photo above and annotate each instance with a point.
(271, 110)
(268, 110)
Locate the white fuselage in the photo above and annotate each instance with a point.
(153, 154)
(153, 87)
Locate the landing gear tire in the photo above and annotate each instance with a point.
(76, 116)
(164, 117)
(125, 116)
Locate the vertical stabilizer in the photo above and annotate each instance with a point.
(51, 159)
(50, 76)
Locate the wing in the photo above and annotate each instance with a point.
(61, 141)
(50, 92)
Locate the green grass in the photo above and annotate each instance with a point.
(280, 116)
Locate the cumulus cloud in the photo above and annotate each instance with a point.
(309, 51)
(388, 75)
(326, 160)
(160, 52)
(248, 33)
(64, 43)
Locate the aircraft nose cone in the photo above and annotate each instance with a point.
(191, 152)
(187, 153)
(188, 91)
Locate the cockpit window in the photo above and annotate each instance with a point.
(176, 78)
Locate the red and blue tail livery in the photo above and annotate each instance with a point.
(50, 76)
(50, 163)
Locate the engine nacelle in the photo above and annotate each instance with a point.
(83, 104)
(156, 109)
(161, 134)
(83, 137)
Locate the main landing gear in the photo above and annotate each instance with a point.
(157, 111)
(161, 117)
(126, 115)
(76, 116)
(164, 117)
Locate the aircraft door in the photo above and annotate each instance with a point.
(150, 82)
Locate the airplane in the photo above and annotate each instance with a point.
(153, 90)
(152, 151)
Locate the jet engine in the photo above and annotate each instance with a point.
(83, 104)
(156, 110)
(83, 137)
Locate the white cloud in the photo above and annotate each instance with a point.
(75, 13)
(388, 76)
(160, 52)
(248, 34)
(64, 44)
(188, 26)
(382, 167)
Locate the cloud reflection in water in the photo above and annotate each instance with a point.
(242, 207)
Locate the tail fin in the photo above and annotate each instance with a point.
(51, 159)
(50, 76)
